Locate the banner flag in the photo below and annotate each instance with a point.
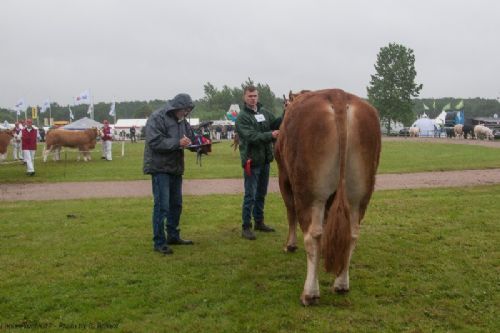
(460, 105)
(83, 98)
(45, 106)
(71, 114)
(20, 105)
(426, 107)
(91, 109)
(447, 107)
(112, 112)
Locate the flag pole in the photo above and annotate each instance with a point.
(50, 114)
(92, 103)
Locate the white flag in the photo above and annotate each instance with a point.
(20, 105)
(112, 110)
(71, 114)
(83, 98)
(91, 109)
(45, 106)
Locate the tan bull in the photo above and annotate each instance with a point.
(83, 140)
(328, 152)
(5, 138)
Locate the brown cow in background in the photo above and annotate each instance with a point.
(83, 140)
(327, 152)
(5, 137)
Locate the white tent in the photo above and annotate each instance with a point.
(426, 126)
(127, 123)
(82, 124)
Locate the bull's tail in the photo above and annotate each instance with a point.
(336, 239)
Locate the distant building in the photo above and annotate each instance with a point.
(122, 127)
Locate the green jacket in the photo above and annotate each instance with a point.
(256, 141)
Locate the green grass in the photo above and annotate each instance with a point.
(427, 260)
(397, 157)
(405, 157)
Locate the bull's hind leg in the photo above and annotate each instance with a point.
(341, 284)
(312, 243)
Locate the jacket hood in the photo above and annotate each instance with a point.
(181, 101)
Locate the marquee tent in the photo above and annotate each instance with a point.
(82, 124)
(426, 126)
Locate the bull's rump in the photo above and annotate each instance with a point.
(308, 146)
(71, 139)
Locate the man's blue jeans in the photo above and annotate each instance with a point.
(167, 194)
(255, 194)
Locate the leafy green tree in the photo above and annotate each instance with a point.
(144, 112)
(393, 86)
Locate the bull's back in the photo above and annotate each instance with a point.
(72, 139)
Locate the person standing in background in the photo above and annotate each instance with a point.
(17, 150)
(29, 136)
(107, 141)
(133, 139)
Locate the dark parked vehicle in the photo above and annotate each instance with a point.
(496, 134)
(405, 131)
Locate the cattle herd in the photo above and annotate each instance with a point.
(460, 131)
(55, 139)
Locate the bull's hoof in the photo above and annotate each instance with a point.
(341, 290)
(308, 300)
(291, 248)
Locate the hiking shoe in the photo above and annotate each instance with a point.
(247, 234)
(179, 241)
(260, 226)
(164, 249)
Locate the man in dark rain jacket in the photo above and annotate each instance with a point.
(167, 134)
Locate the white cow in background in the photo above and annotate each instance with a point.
(459, 131)
(482, 132)
(414, 131)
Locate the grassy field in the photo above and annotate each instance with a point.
(427, 261)
(397, 156)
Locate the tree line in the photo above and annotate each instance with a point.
(216, 101)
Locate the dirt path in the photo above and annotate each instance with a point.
(142, 188)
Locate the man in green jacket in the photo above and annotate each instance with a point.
(256, 128)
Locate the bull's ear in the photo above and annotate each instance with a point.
(290, 96)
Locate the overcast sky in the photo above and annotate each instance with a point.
(152, 49)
